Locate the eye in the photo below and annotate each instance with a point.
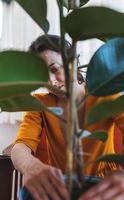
(53, 69)
(80, 78)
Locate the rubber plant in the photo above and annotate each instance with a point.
(17, 79)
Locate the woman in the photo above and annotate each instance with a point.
(43, 168)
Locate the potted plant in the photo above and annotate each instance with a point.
(81, 23)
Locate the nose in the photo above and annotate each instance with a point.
(53, 79)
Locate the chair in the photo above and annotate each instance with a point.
(10, 179)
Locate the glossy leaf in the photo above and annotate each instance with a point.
(100, 135)
(105, 73)
(105, 109)
(116, 158)
(26, 103)
(37, 10)
(20, 73)
(22, 103)
(93, 22)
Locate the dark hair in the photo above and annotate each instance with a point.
(51, 42)
(47, 41)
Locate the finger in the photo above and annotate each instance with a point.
(34, 193)
(99, 188)
(114, 191)
(36, 190)
(59, 186)
(49, 188)
(109, 193)
(58, 173)
(119, 197)
(40, 191)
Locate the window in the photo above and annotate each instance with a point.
(1, 14)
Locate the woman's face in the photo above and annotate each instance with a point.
(56, 71)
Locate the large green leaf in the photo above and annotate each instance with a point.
(105, 73)
(90, 22)
(37, 9)
(27, 103)
(116, 158)
(105, 109)
(20, 72)
(21, 103)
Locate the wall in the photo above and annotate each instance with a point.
(7, 134)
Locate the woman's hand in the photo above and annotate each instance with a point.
(111, 188)
(45, 182)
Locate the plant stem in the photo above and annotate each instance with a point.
(70, 126)
(73, 4)
(63, 52)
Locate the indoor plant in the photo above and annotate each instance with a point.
(108, 24)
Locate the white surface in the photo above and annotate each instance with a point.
(1, 14)
(7, 134)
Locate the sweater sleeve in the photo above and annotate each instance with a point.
(30, 130)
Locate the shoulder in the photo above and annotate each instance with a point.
(46, 98)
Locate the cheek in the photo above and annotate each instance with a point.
(80, 88)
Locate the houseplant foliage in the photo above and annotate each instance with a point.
(24, 69)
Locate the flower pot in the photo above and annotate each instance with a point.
(89, 182)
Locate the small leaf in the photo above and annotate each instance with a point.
(116, 158)
(100, 135)
(37, 10)
(105, 73)
(93, 22)
(105, 109)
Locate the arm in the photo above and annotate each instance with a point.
(42, 181)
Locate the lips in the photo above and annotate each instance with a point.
(60, 86)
